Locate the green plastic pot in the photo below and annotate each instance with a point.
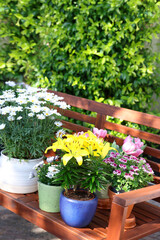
(49, 197)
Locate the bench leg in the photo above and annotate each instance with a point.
(116, 222)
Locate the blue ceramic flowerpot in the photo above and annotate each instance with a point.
(77, 213)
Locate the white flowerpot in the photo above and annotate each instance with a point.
(14, 175)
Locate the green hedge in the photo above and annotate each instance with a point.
(97, 49)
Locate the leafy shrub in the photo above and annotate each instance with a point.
(97, 49)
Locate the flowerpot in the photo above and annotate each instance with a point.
(14, 175)
(49, 197)
(111, 194)
(130, 221)
(103, 198)
(77, 213)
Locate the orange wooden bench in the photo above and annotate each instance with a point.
(106, 224)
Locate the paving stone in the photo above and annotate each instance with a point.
(14, 227)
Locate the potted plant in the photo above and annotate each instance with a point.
(49, 191)
(82, 174)
(27, 125)
(128, 171)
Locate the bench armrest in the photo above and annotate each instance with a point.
(137, 196)
(120, 205)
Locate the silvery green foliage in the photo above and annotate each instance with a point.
(28, 121)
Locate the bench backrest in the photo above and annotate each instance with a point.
(99, 119)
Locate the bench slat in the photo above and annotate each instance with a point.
(116, 112)
(133, 132)
(142, 231)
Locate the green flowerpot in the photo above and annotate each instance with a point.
(49, 197)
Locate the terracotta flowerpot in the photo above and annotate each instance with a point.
(130, 218)
(112, 194)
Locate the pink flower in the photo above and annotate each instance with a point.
(128, 176)
(100, 133)
(86, 135)
(131, 172)
(128, 147)
(123, 160)
(113, 164)
(132, 146)
(142, 159)
(112, 154)
(138, 143)
(122, 166)
(117, 172)
(128, 139)
(80, 133)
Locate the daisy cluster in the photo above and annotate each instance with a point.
(34, 102)
(30, 118)
(47, 171)
(128, 169)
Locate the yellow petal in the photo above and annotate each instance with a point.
(79, 160)
(48, 149)
(84, 152)
(66, 158)
(106, 149)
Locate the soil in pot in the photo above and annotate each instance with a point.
(79, 195)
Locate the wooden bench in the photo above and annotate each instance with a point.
(106, 224)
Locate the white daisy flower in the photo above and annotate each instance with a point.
(51, 159)
(60, 133)
(19, 109)
(2, 102)
(40, 116)
(54, 111)
(30, 114)
(58, 123)
(2, 126)
(33, 100)
(50, 174)
(19, 118)
(32, 90)
(21, 100)
(52, 168)
(7, 109)
(48, 97)
(35, 108)
(20, 90)
(11, 118)
(4, 111)
(48, 112)
(10, 83)
(13, 113)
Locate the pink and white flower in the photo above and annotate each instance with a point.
(132, 146)
(100, 133)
